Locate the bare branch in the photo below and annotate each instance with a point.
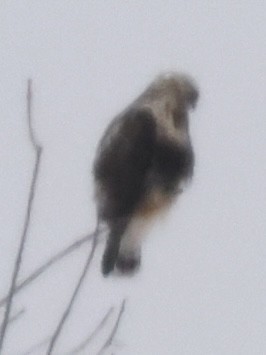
(88, 340)
(18, 261)
(110, 339)
(75, 293)
(56, 258)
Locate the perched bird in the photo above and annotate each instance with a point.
(142, 161)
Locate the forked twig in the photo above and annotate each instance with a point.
(16, 287)
(16, 316)
(56, 258)
(67, 311)
(18, 261)
(110, 339)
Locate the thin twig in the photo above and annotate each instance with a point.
(37, 346)
(32, 136)
(19, 257)
(110, 339)
(80, 347)
(56, 258)
(68, 309)
(16, 316)
(88, 340)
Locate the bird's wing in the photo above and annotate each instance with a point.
(124, 162)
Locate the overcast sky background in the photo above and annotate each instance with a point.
(202, 286)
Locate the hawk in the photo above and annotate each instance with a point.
(143, 160)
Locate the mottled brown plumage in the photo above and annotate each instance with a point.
(143, 160)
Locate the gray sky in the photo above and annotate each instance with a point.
(202, 287)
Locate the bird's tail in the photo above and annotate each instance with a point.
(111, 252)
